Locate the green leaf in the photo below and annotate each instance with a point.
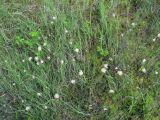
(19, 40)
(34, 34)
(29, 43)
(102, 52)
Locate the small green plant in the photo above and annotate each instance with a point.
(102, 52)
(33, 41)
(77, 45)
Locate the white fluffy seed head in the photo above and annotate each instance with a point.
(49, 49)
(45, 107)
(28, 108)
(73, 60)
(42, 61)
(90, 107)
(66, 31)
(158, 35)
(56, 96)
(105, 66)
(154, 39)
(80, 73)
(45, 44)
(39, 48)
(30, 58)
(48, 57)
(122, 34)
(36, 58)
(14, 84)
(62, 62)
(23, 101)
(105, 109)
(111, 59)
(23, 60)
(39, 94)
(156, 72)
(116, 68)
(144, 70)
(33, 77)
(73, 81)
(103, 70)
(113, 14)
(70, 42)
(111, 91)
(54, 17)
(52, 22)
(76, 50)
(144, 60)
(120, 73)
(133, 24)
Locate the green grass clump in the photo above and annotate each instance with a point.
(79, 60)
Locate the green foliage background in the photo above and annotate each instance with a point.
(104, 32)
